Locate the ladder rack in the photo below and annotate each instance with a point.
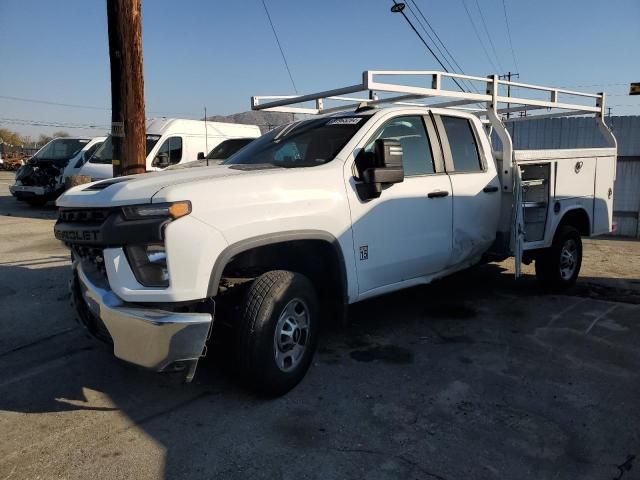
(432, 89)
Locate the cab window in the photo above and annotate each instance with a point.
(417, 158)
(172, 146)
(462, 143)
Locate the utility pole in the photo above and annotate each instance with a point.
(127, 87)
(508, 77)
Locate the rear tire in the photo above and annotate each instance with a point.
(558, 267)
(277, 332)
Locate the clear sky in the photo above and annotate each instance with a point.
(219, 53)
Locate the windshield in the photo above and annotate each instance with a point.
(227, 148)
(301, 144)
(60, 149)
(104, 154)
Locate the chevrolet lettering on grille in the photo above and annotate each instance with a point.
(77, 235)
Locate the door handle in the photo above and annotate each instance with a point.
(438, 194)
(490, 189)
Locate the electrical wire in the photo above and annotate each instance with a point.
(506, 21)
(48, 102)
(460, 69)
(91, 107)
(435, 44)
(284, 58)
(400, 10)
(45, 123)
(484, 24)
(475, 29)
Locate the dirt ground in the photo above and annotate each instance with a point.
(477, 376)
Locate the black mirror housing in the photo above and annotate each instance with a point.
(386, 170)
(200, 155)
(161, 160)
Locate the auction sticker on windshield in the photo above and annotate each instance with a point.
(344, 121)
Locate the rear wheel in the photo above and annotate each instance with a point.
(558, 266)
(277, 331)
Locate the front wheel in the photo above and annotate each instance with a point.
(277, 331)
(558, 266)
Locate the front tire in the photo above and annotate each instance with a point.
(277, 331)
(558, 267)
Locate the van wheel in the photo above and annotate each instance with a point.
(277, 331)
(558, 266)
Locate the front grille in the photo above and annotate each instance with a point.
(84, 215)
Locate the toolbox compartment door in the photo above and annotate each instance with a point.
(603, 194)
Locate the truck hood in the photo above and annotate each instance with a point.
(141, 188)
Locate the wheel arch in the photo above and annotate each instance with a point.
(577, 217)
(316, 242)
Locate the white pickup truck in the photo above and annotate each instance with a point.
(325, 212)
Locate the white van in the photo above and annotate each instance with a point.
(171, 141)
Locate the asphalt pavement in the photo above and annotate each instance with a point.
(477, 376)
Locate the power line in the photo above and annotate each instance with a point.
(484, 24)
(597, 85)
(45, 123)
(399, 8)
(506, 21)
(91, 107)
(460, 69)
(430, 38)
(284, 58)
(435, 44)
(48, 102)
(475, 29)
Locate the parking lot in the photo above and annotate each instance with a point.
(477, 376)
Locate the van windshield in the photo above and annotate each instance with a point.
(104, 154)
(60, 149)
(306, 143)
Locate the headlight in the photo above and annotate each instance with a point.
(157, 210)
(149, 264)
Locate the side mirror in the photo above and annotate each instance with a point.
(161, 160)
(386, 170)
(200, 155)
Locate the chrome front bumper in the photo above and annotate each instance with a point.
(154, 339)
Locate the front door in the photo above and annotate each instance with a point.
(406, 232)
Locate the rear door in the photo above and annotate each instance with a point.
(475, 186)
(406, 232)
